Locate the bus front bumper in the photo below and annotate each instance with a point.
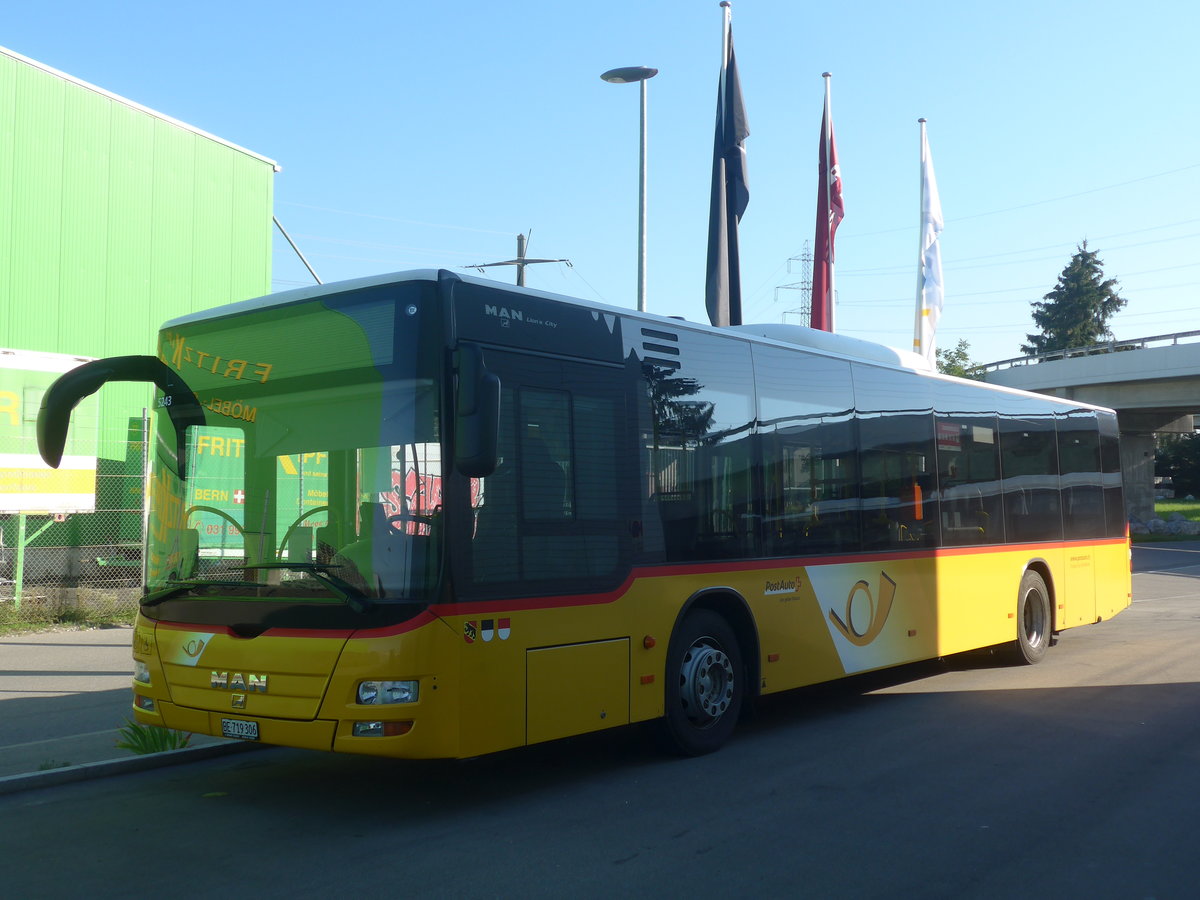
(373, 737)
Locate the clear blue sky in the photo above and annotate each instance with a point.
(430, 134)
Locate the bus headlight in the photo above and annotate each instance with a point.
(141, 672)
(375, 693)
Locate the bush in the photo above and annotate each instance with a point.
(1178, 457)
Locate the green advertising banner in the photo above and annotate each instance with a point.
(216, 496)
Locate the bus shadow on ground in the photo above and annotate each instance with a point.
(801, 715)
(828, 741)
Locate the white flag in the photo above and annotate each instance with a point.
(930, 291)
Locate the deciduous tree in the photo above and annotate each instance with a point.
(957, 361)
(1178, 456)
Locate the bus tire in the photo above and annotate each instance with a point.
(706, 684)
(1034, 620)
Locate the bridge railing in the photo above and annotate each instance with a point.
(1179, 337)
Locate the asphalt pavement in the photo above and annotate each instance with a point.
(65, 694)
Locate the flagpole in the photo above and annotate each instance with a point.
(918, 337)
(722, 93)
(828, 126)
(727, 9)
(641, 285)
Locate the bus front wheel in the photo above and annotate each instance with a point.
(706, 684)
(1034, 620)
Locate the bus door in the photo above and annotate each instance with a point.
(551, 518)
(550, 522)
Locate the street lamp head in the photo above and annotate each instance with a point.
(629, 74)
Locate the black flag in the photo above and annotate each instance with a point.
(730, 194)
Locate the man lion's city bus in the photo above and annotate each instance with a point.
(426, 515)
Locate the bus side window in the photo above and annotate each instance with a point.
(543, 481)
(1029, 464)
(1110, 477)
(834, 525)
(548, 515)
(805, 408)
(897, 459)
(1081, 477)
(896, 442)
(969, 480)
(702, 450)
(494, 548)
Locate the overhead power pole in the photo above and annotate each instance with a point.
(520, 262)
(803, 286)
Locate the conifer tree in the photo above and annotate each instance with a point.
(1076, 312)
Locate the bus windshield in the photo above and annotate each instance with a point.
(317, 476)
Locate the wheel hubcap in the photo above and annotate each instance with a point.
(706, 681)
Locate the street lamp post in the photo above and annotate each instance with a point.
(629, 75)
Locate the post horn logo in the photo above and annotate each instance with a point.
(877, 613)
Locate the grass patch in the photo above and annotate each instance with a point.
(1190, 509)
(37, 614)
(140, 739)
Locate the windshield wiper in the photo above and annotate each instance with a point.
(358, 601)
(175, 588)
(355, 599)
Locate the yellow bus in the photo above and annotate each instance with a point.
(429, 515)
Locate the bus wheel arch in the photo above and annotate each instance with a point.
(712, 672)
(1034, 614)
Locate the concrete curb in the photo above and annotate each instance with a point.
(11, 784)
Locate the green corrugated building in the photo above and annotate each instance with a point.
(114, 218)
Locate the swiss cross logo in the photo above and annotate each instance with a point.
(239, 496)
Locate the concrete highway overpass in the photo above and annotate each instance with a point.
(1153, 383)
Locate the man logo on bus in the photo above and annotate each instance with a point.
(238, 681)
(860, 601)
(502, 312)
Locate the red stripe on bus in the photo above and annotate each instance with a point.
(558, 601)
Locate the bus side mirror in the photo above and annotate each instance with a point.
(71, 387)
(476, 414)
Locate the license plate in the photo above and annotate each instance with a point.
(236, 728)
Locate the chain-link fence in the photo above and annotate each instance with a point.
(79, 566)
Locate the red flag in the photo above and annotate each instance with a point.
(830, 212)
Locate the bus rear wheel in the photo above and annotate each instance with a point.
(1034, 620)
(706, 684)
